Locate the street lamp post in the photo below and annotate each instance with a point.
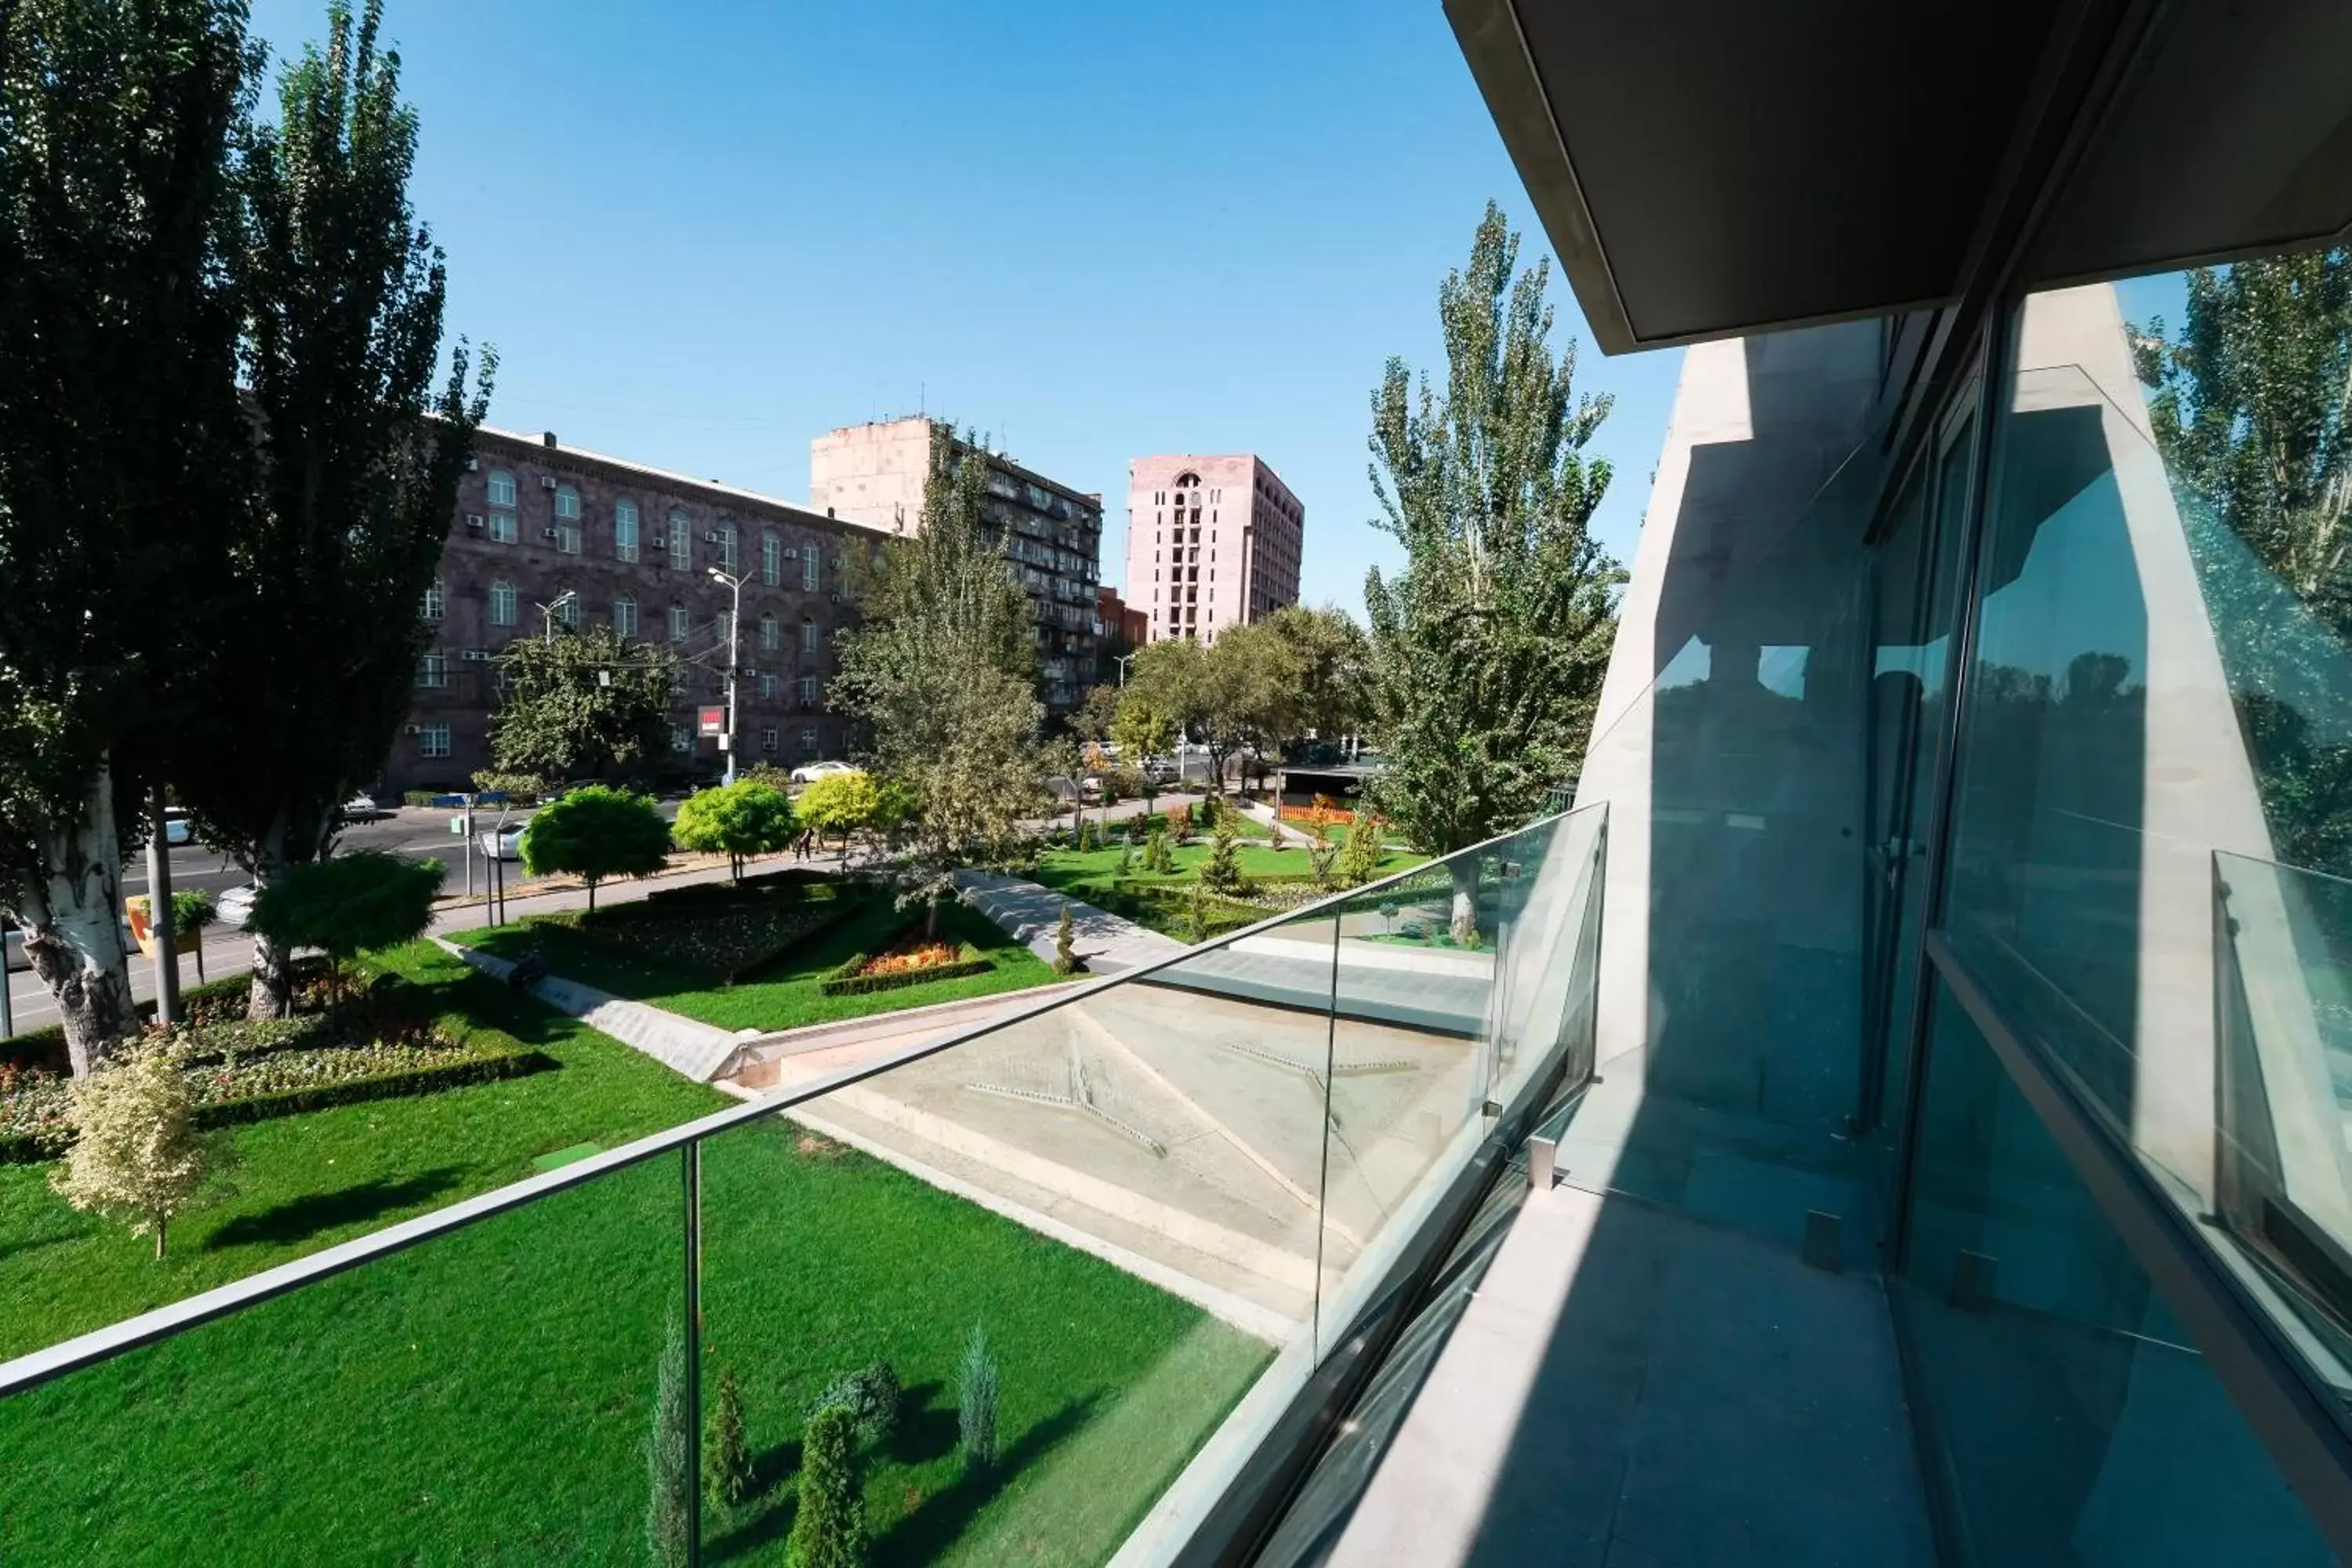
(734, 582)
(547, 612)
(1124, 659)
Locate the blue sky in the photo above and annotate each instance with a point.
(700, 234)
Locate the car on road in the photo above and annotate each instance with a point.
(809, 773)
(15, 951)
(234, 905)
(361, 809)
(1161, 769)
(177, 827)
(501, 843)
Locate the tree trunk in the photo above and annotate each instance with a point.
(1464, 924)
(592, 895)
(161, 1225)
(73, 931)
(272, 993)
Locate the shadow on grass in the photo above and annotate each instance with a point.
(766, 1517)
(304, 1218)
(947, 1514)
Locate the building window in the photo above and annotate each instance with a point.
(502, 603)
(771, 559)
(567, 504)
(567, 539)
(502, 489)
(771, 636)
(432, 671)
(726, 548)
(567, 610)
(767, 687)
(437, 599)
(681, 540)
(624, 530)
(681, 737)
(809, 569)
(768, 740)
(808, 742)
(624, 616)
(433, 740)
(502, 528)
(678, 623)
(808, 635)
(808, 691)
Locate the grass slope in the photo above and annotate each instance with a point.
(308, 1181)
(485, 1399)
(1089, 876)
(784, 994)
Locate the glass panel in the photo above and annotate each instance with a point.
(2077, 1424)
(485, 1398)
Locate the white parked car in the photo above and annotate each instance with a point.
(361, 808)
(234, 905)
(808, 773)
(177, 829)
(501, 843)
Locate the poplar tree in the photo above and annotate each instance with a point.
(124, 459)
(1488, 650)
(359, 460)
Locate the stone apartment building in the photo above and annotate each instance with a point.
(634, 546)
(873, 474)
(1211, 543)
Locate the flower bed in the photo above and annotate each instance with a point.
(905, 961)
(712, 938)
(374, 1046)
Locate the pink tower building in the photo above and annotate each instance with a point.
(1211, 543)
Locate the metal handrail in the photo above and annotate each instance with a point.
(36, 1367)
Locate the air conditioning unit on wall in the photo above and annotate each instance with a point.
(547, 481)
(475, 521)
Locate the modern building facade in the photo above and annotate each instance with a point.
(634, 547)
(1211, 543)
(873, 474)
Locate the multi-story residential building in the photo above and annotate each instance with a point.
(1121, 628)
(1211, 543)
(633, 547)
(873, 474)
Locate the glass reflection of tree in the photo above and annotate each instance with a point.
(2247, 406)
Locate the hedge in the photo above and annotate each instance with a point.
(844, 980)
(647, 933)
(501, 1056)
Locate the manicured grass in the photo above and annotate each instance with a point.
(784, 994)
(310, 1180)
(484, 1399)
(1160, 901)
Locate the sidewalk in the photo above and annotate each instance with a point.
(1030, 914)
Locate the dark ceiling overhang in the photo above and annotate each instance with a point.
(1712, 168)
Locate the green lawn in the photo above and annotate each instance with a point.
(485, 1399)
(1091, 875)
(784, 994)
(301, 1182)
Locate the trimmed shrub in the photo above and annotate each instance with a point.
(136, 1156)
(871, 1394)
(1065, 962)
(1361, 860)
(829, 1526)
(726, 1476)
(669, 1490)
(594, 833)
(740, 820)
(1224, 871)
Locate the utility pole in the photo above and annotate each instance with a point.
(734, 647)
(159, 911)
(1124, 659)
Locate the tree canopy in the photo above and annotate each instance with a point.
(581, 705)
(348, 903)
(748, 817)
(840, 804)
(1488, 650)
(596, 833)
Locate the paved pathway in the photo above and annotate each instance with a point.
(1106, 942)
(697, 1049)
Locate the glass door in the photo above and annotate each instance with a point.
(1914, 618)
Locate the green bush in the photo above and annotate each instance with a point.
(669, 1489)
(348, 903)
(740, 820)
(1224, 871)
(871, 1394)
(1361, 860)
(829, 1526)
(1065, 962)
(594, 833)
(727, 1478)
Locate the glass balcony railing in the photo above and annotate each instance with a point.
(1081, 1278)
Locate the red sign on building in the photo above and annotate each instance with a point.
(713, 721)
